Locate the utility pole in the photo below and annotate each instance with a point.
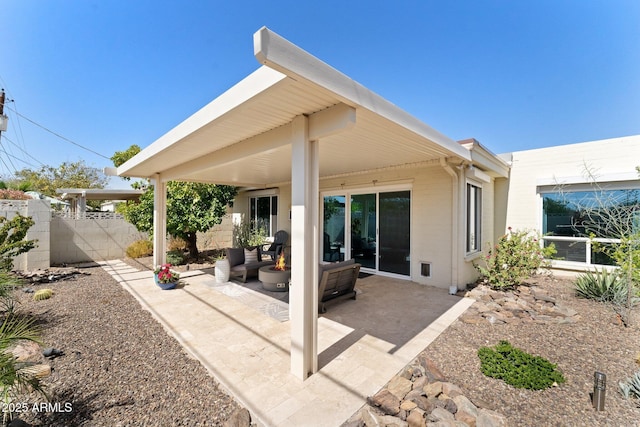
(3, 119)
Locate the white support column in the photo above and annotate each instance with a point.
(159, 220)
(303, 294)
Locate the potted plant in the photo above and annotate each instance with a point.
(165, 277)
(222, 270)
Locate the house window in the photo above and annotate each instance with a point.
(601, 213)
(474, 218)
(263, 212)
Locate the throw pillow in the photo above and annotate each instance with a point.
(250, 255)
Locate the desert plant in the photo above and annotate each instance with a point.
(601, 285)
(175, 257)
(518, 368)
(249, 233)
(12, 239)
(631, 386)
(517, 256)
(8, 284)
(42, 294)
(177, 244)
(140, 248)
(16, 377)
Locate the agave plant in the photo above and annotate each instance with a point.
(631, 387)
(602, 285)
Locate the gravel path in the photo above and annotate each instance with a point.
(120, 367)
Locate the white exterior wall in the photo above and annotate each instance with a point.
(432, 216)
(610, 160)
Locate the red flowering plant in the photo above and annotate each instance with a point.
(166, 275)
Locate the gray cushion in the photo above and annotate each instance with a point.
(251, 255)
(235, 256)
(326, 267)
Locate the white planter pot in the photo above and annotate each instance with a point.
(453, 289)
(222, 270)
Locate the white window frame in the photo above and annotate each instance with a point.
(273, 217)
(473, 217)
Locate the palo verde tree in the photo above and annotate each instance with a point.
(191, 207)
(613, 214)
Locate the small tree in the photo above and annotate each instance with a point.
(191, 208)
(614, 215)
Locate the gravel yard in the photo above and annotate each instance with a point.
(120, 367)
(595, 342)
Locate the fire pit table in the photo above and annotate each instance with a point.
(274, 280)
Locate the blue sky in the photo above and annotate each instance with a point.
(513, 74)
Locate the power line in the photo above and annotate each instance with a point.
(24, 151)
(57, 134)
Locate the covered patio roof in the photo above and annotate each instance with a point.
(294, 120)
(243, 137)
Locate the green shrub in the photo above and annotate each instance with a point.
(175, 257)
(140, 248)
(602, 285)
(517, 256)
(247, 234)
(518, 368)
(631, 387)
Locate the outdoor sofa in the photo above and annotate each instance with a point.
(337, 281)
(245, 262)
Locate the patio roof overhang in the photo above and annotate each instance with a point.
(243, 137)
(294, 120)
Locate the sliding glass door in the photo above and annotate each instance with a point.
(364, 229)
(395, 232)
(378, 227)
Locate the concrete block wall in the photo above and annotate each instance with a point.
(40, 211)
(90, 239)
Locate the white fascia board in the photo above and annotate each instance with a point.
(274, 51)
(258, 81)
(626, 177)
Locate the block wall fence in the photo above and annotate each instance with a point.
(67, 239)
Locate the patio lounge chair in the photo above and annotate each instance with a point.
(243, 268)
(279, 242)
(337, 281)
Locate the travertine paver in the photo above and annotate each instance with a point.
(248, 351)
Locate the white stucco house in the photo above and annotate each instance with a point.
(350, 175)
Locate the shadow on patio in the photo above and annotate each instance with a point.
(362, 344)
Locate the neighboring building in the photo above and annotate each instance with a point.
(78, 197)
(350, 175)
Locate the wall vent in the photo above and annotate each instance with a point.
(425, 269)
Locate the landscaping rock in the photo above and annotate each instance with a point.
(427, 400)
(239, 418)
(399, 386)
(386, 401)
(514, 307)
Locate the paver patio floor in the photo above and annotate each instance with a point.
(362, 344)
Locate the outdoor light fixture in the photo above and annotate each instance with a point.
(599, 390)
